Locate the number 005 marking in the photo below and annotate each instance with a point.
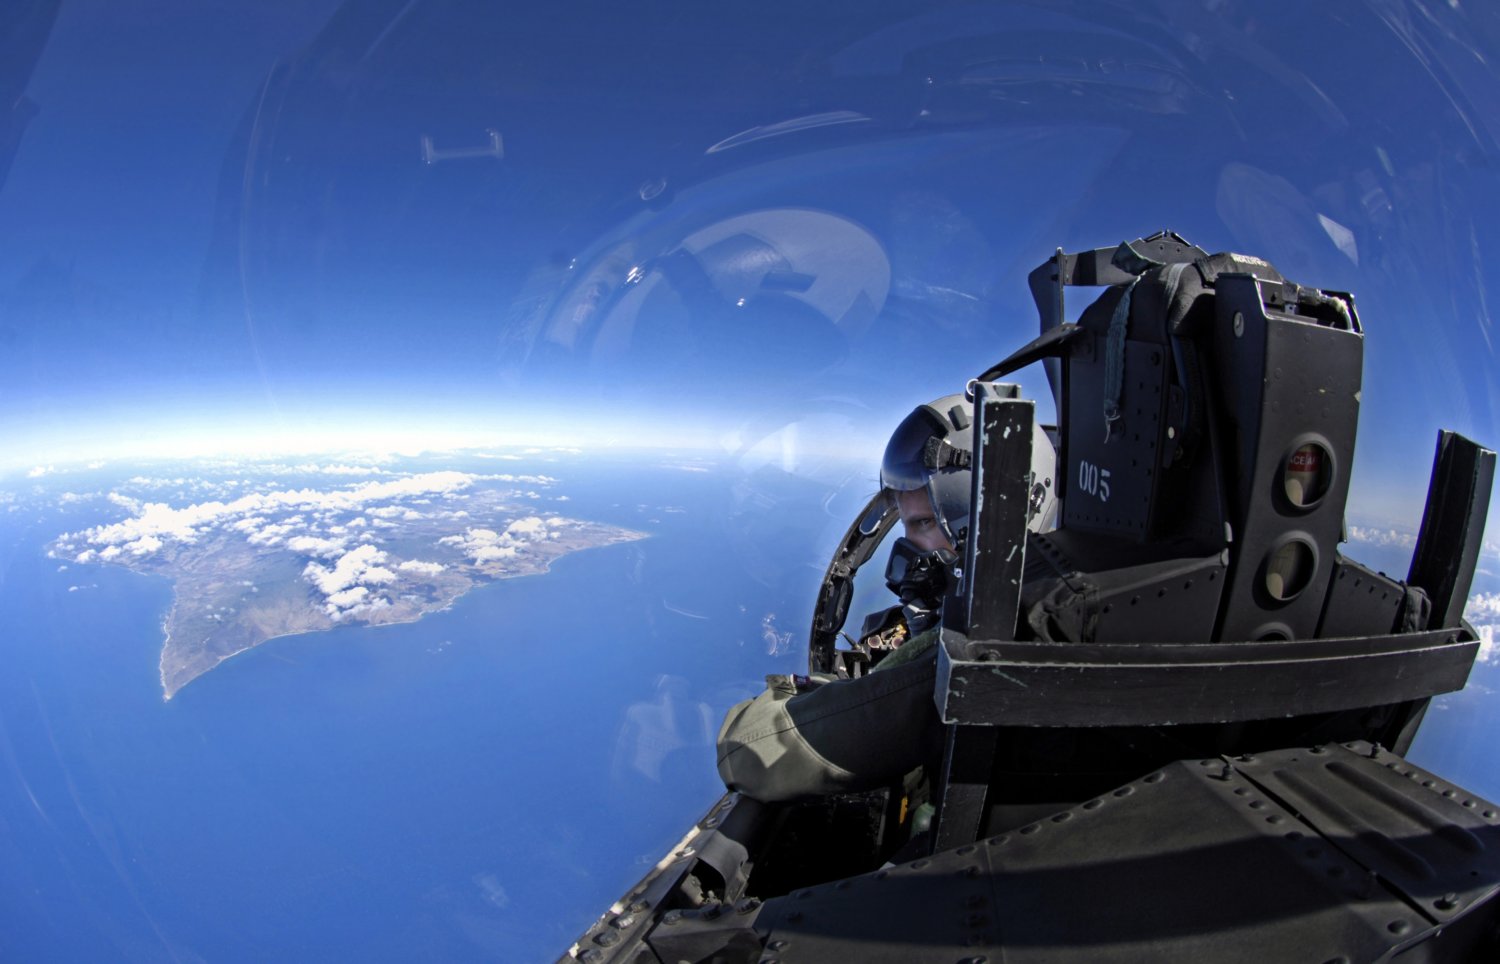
(1093, 480)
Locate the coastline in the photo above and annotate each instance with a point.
(543, 567)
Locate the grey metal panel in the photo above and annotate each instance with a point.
(995, 551)
(1437, 844)
(1124, 684)
(1191, 863)
(1360, 601)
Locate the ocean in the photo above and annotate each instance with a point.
(480, 783)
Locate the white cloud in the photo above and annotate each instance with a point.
(345, 598)
(425, 568)
(349, 570)
(529, 526)
(144, 546)
(96, 465)
(315, 546)
(185, 524)
(492, 553)
(1483, 610)
(1382, 537)
(40, 470)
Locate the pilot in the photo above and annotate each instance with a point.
(806, 736)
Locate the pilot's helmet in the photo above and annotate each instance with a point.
(932, 450)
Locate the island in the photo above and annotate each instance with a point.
(285, 562)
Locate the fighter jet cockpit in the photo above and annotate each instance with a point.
(660, 481)
(1186, 641)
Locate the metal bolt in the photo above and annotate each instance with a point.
(776, 945)
(1446, 902)
(672, 917)
(623, 921)
(591, 955)
(1239, 324)
(607, 939)
(1320, 750)
(640, 905)
(747, 905)
(1398, 926)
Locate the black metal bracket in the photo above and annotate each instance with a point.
(1458, 500)
(1160, 684)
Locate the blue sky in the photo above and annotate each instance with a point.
(219, 229)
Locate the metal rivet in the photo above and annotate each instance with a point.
(606, 939)
(1208, 763)
(1469, 803)
(1449, 793)
(1032, 828)
(997, 841)
(1398, 926)
(1124, 791)
(776, 945)
(1490, 814)
(1426, 783)
(623, 921)
(1240, 791)
(1446, 902)
(1062, 817)
(1093, 805)
(1256, 804)
(1156, 778)
(672, 917)
(918, 864)
(1320, 750)
(1275, 818)
(640, 905)
(1239, 324)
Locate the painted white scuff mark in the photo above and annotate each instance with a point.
(1012, 555)
(1006, 676)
